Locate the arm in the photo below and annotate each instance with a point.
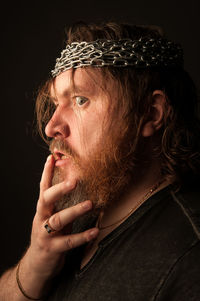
(45, 255)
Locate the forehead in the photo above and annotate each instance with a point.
(81, 80)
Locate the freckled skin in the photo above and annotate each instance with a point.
(80, 126)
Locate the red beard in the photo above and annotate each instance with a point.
(102, 177)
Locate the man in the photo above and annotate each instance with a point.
(118, 212)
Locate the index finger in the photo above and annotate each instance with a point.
(47, 175)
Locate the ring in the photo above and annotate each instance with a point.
(48, 228)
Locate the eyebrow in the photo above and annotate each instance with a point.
(89, 90)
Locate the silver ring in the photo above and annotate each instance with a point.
(48, 228)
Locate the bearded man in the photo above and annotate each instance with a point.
(118, 212)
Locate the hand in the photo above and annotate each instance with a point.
(45, 255)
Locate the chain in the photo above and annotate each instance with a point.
(146, 196)
(145, 52)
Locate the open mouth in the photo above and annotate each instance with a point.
(60, 157)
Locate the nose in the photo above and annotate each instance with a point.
(57, 127)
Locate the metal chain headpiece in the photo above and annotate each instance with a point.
(142, 53)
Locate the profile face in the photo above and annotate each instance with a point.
(91, 141)
(81, 113)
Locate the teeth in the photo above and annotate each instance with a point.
(55, 156)
(59, 156)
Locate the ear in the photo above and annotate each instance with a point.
(155, 119)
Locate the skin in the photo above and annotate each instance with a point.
(79, 124)
(73, 122)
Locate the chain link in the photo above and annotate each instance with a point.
(140, 53)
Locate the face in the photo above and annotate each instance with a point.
(81, 111)
(79, 129)
(88, 143)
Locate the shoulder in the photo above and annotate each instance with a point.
(188, 200)
(183, 279)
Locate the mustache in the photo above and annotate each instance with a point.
(62, 146)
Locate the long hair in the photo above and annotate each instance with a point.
(179, 147)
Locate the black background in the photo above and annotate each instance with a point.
(31, 39)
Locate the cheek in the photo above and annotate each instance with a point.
(90, 126)
(91, 131)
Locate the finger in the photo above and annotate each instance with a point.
(65, 243)
(47, 174)
(55, 192)
(64, 217)
(46, 202)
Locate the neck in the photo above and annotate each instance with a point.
(115, 213)
(138, 192)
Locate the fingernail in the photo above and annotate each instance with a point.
(49, 158)
(93, 233)
(86, 205)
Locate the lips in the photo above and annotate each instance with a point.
(60, 157)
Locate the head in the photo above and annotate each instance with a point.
(111, 123)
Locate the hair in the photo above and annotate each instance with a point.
(179, 147)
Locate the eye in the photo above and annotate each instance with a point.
(80, 100)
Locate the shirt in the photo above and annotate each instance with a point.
(153, 255)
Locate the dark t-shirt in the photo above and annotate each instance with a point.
(153, 255)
